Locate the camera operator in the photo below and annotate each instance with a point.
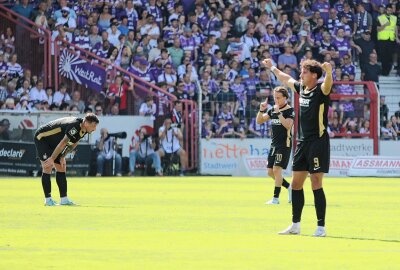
(142, 151)
(106, 146)
(169, 138)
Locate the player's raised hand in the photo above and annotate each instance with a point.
(327, 67)
(276, 108)
(267, 62)
(264, 105)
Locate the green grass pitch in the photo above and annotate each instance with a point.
(196, 223)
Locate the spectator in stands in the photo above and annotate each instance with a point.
(287, 58)
(148, 108)
(106, 146)
(14, 70)
(348, 67)
(7, 38)
(113, 34)
(169, 77)
(396, 125)
(387, 131)
(61, 96)
(372, 69)
(346, 89)
(142, 150)
(38, 92)
(4, 130)
(387, 37)
(118, 93)
(362, 21)
(23, 90)
(104, 18)
(169, 140)
(207, 131)
(365, 46)
(225, 96)
(76, 100)
(365, 127)
(257, 130)
(98, 109)
(68, 22)
(23, 8)
(3, 67)
(49, 94)
(81, 39)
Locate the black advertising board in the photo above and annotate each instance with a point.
(19, 158)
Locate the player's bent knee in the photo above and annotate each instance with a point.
(277, 171)
(270, 172)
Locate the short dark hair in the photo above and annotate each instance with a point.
(282, 90)
(313, 66)
(91, 118)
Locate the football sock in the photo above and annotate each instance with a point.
(297, 204)
(62, 183)
(285, 183)
(46, 184)
(277, 191)
(320, 205)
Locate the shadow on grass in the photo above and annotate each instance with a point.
(360, 238)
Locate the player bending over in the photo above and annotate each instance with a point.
(53, 141)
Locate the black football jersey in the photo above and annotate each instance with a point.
(313, 113)
(54, 131)
(281, 137)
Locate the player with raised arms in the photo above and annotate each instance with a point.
(312, 152)
(281, 115)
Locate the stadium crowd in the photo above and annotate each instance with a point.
(211, 50)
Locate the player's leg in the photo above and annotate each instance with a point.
(319, 202)
(43, 151)
(300, 174)
(282, 157)
(319, 157)
(270, 165)
(61, 179)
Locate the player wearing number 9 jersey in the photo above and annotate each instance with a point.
(312, 150)
(281, 116)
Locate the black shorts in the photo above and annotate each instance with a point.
(44, 150)
(312, 156)
(279, 157)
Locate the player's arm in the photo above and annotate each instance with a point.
(328, 81)
(262, 116)
(60, 147)
(284, 78)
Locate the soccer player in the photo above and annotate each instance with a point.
(53, 141)
(312, 151)
(281, 116)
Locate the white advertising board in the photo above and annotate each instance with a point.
(340, 165)
(225, 156)
(352, 147)
(378, 166)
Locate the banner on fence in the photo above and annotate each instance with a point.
(79, 70)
